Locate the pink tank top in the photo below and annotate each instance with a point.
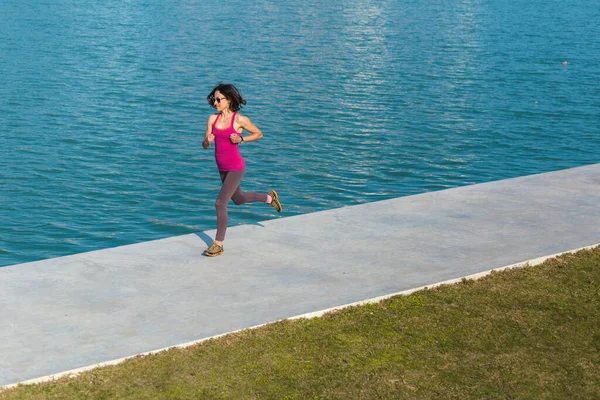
(227, 154)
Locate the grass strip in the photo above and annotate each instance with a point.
(527, 333)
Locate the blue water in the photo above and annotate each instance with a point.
(102, 107)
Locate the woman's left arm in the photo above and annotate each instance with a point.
(244, 122)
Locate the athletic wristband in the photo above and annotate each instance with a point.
(241, 137)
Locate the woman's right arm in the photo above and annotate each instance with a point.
(208, 137)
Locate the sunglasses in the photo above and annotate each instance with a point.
(218, 99)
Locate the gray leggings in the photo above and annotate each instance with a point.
(231, 191)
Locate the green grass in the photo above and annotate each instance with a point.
(528, 333)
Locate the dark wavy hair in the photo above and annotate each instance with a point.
(231, 93)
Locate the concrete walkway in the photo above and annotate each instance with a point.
(69, 312)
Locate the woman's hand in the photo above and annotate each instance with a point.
(208, 139)
(235, 139)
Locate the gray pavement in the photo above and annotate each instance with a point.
(70, 312)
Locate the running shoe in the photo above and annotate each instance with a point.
(275, 201)
(214, 250)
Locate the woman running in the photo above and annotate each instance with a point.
(225, 129)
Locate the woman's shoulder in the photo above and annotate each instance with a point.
(212, 117)
(240, 117)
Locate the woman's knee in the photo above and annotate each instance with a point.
(220, 204)
(238, 200)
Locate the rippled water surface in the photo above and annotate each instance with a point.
(102, 107)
